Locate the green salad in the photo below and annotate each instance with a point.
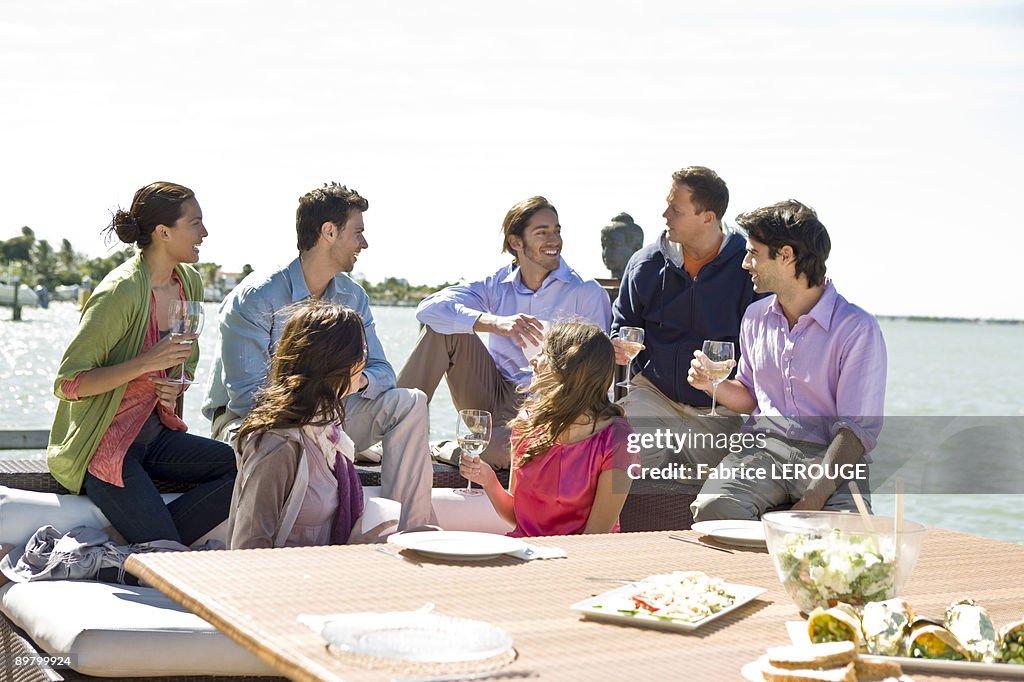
(820, 571)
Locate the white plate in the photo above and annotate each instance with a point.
(595, 608)
(926, 665)
(752, 671)
(460, 544)
(741, 533)
(416, 636)
(798, 634)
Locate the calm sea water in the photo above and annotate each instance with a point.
(31, 350)
(935, 369)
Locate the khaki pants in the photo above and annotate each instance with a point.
(648, 410)
(473, 379)
(750, 497)
(398, 420)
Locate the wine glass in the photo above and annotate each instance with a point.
(185, 317)
(718, 361)
(631, 340)
(473, 433)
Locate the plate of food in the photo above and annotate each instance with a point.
(964, 641)
(681, 601)
(739, 533)
(457, 544)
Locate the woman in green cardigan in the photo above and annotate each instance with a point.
(116, 427)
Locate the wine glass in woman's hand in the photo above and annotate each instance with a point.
(473, 434)
(184, 318)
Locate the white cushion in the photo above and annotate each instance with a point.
(458, 512)
(121, 631)
(23, 512)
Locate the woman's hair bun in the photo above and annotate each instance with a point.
(158, 203)
(126, 226)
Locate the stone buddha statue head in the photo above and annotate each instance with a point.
(619, 241)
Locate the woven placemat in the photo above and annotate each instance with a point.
(399, 667)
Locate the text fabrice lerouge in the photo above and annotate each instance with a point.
(778, 472)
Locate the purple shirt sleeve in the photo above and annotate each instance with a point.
(860, 393)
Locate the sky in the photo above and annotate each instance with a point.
(898, 120)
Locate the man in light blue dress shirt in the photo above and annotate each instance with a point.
(512, 305)
(329, 227)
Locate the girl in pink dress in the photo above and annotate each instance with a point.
(569, 455)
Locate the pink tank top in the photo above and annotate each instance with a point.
(555, 492)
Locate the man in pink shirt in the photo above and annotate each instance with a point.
(811, 375)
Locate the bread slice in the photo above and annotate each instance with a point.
(876, 670)
(812, 656)
(846, 673)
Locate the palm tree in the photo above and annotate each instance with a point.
(44, 263)
(69, 261)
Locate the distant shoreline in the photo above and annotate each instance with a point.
(960, 320)
(898, 318)
(409, 303)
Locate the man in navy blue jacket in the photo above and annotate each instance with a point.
(686, 287)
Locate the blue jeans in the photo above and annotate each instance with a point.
(138, 512)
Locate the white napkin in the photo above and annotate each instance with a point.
(377, 510)
(531, 552)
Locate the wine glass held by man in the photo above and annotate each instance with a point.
(628, 343)
(115, 427)
(570, 456)
(708, 374)
(717, 359)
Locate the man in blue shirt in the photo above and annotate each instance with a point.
(513, 305)
(683, 289)
(329, 227)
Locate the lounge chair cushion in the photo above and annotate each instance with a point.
(120, 631)
(459, 512)
(23, 512)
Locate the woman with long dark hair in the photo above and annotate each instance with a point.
(569, 440)
(297, 485)
(116, 426)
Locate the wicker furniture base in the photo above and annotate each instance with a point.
(12, 645)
